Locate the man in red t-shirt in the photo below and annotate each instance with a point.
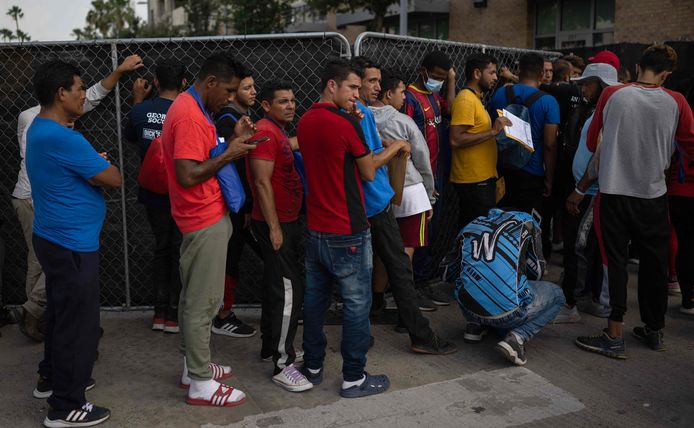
(338, 245)
(277, 196)
(199, 210)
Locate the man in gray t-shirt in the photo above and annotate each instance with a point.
(639, 123)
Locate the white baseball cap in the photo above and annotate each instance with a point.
(606, 73)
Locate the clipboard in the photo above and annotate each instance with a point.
(397, 167)
(520, 131)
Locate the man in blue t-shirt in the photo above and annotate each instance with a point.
(67, 176)
(145, 122)
(525, 187)
(391, 263)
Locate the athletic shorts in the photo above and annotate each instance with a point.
(414, 230)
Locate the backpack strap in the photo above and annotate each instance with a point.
(532, 98)
(229, 115)
(510, 94)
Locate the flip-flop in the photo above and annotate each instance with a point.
(221, 398)
(373, 384)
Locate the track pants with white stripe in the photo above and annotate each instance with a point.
(283, 290)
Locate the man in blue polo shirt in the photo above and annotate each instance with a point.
(387, 242)
(67, 176)
(525, 187)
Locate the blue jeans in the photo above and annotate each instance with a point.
(526, 321)
(346, 260)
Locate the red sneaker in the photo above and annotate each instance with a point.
(171, 327)
(158, 322)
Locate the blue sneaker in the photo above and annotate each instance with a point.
(315, 379)
(603, 344)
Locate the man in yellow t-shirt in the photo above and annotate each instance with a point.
(473, 167)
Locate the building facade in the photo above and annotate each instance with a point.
(561, 24)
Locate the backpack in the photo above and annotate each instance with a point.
(495, 256)
(512, 155)
(152, 174)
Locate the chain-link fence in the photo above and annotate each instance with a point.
(404, 54)
(126, 240)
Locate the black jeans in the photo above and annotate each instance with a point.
(646, 223)
(474, 200)
(283, 291)
(682, 216)
(570, 225)
(523, 191)
(72, 321)
(388, 246)
(166, 275)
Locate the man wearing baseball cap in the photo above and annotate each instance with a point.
(594, 79)
(605, 57)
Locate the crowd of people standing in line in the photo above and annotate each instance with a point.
(604, 158)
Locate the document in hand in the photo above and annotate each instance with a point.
(519, 131)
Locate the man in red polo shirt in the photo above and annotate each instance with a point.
(338, 245)
(277, 196)
(199, 210)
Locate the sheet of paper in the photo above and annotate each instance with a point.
(519, 131)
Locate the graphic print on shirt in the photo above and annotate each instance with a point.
(155, 119)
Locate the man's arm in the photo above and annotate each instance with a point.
(141, 90)
(190, 173)
(684, 135)
(109, 178)
(575, 198)
(549, 137)
(262, 176)
(460, 137)
(98, 91)
(450, 90)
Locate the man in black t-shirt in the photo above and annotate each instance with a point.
(568, 96)
(145, 122)
(226, 323)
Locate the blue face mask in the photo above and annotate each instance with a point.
(433, 85)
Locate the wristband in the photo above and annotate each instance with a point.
(578, 191)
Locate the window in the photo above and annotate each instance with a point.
(573, 23)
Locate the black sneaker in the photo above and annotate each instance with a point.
(315, 379)
(86, 416)
(437, 294)
(652, 338)
(436, 346)
(232, 326)
(512, 350)
(474, 333)
(44, 387)
(425, 304)
(603, 344)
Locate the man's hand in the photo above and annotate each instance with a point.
(294, 143)
(499, 124)
(506, 74)
(548, 188)
(130, 63)
(237, 149)
(245, 128)
(451, 75)
(276, 237)
(430, 214)
(572, 203)
(405, 148)
(105, 156)
(356, 112)
(141, 90)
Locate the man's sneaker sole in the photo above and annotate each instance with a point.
(423, 350)
(427, 309)
(600, 351)
(172, 330)
(59, 423)
(510, 353)
(45, 394)
(474, 338)
(203, 402)
(686, 311)
(293, 388)
(440, 303)
(222, 332)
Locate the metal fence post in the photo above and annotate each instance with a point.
(119, 133)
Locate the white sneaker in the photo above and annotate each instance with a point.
(688, 311)
(292, 380)
(566, 315)
(219, 372)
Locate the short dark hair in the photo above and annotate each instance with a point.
(560, 69)
(267, 92)
(223, 66)
(530, 64)
(50, 77)
(390, 80)
(437, 59)
(365, 62)
(575, 61)
(477, 62)
(338, 70)
(659, 58)
(170, 73)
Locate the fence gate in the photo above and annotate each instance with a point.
(126, 240)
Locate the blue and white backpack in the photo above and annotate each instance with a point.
(495, 257)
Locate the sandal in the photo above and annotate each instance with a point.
(221, 398)
(373, 384)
